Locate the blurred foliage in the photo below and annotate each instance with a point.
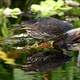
(4, 57)
(4, 22)
(68, 71)
(72, 12)
(3, 26)
(49, 8)
(20, 75)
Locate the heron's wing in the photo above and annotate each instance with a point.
(42, 56)
(46, 61)
(47, 28)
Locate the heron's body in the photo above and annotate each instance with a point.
(61, 32)
(48, 28)
(45, 61)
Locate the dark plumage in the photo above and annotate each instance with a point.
(45, 61)
(46, 28)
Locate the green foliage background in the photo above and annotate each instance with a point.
(68, 71)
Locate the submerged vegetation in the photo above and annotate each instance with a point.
(25, 32)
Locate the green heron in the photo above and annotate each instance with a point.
(61, 32)
(45, 61)
(46, 29)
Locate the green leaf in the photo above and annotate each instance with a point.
(21, 75)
